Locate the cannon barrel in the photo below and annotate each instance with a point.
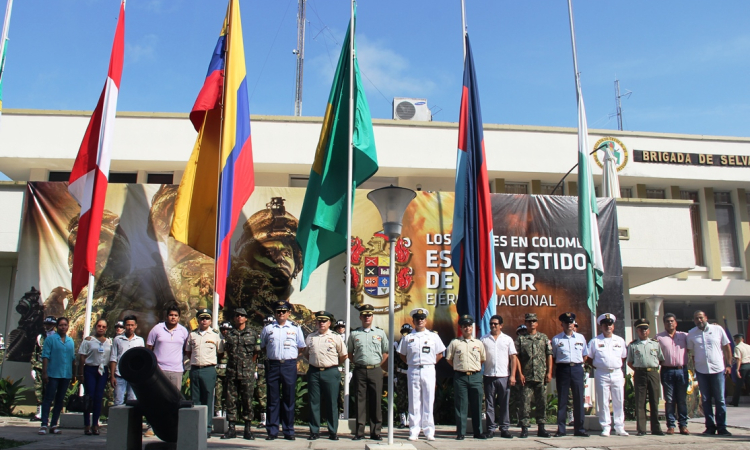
(158, 399)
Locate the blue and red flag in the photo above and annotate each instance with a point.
(221, 165)
(472, 237)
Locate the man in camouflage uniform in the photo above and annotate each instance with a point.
(241, 347)
(221, 373)
(515, 391)
(340, 328)
(36, 362)
(401, 387)
(260, 379)
(535, 356)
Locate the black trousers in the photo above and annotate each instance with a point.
(368, 384)
(281, 374)
(647, 384)
(570, 378)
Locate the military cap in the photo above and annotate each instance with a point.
(466, 320)
(205, 312)
(642, 323)
(739, 335)
(240, 312)
(50, 320)
(567, 317)
(339, 324)
(607, 317)
(282, 304)
(406, 329)
(419, 313)
(520, 328)
(366, 309)
(530, 316)
(225, 326)
(268, 319)
(119, 324)
(323, 315)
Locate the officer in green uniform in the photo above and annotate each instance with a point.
(368, 347)
(221, 373)
(535, 356)
(466, 355)
(340, 328)
(36, 362)
(260, 393)
(241, 346)
(325, 350)
(515, 391)
(644, 356)
(401, 386)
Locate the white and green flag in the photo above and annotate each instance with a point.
(588, 211)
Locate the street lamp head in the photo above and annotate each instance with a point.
(392, 202)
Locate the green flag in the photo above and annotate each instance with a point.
(322, 230)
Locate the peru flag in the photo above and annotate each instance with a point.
(472, 237)
(88, 179)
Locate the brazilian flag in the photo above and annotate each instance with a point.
(322, 224)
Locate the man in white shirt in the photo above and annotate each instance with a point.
(606, 353)
(711, 352)
(121, 344)
(742, 364)
(499, 376)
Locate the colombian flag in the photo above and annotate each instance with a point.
(219, 176)
(473, 238)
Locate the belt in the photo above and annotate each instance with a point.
(402, 371)
(646, 369)
(321, 368)
(360, 366)
(672, 367)
(421, 366)
(283, 361)
(467, 373)
(202, 367)
(221, 366)
(565, 364)
(606, 369)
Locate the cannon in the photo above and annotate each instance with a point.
(158, 399)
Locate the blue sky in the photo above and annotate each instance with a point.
(687, 62)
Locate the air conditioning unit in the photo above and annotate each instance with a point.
(411, 109)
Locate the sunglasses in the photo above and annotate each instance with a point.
(642, 328)
(240, 315)
(367, 315)
(282, 311)
(494, 323)
(204, 318)
(323, 320)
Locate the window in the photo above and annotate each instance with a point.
(637, 311)
(298, 181)
(597, 191)
(655, 193)
(59, 176)
(123, 177)
(727, 230)
(160, 178)
(743, 312)
(695, 221)
(516, 188)
(626, 192)
(549, 189)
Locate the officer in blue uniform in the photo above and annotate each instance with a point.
(282, 340)
(568, 350)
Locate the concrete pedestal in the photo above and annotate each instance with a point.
(591, 423)
(470, 426)
(124, 429)
(191, 428)
(220, 424)
(71, 420)
(348, 426)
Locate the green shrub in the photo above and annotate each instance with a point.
(11, 393)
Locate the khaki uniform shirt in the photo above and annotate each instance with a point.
(742, 353)
(367, 347)
(204, 347)
(467, 355)
(325, 349)
(645, 354)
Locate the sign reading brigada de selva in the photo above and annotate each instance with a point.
(691, 159)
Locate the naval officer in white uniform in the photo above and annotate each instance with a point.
(421, 350)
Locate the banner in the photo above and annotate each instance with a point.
(140, 269)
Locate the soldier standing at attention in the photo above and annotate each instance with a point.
(400, 383)
(36, 363)
(241, 346)
(282, 340)
(261, 365)
(202, 346)
(421, 350)
(535, 356)
(644, 356)
(325, 350)
(466, 355)
(221, 373)
(340, 328)
(569, 350)
(515, 391)
(368, 347)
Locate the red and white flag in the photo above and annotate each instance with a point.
(88, 179)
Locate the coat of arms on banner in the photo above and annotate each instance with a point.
(371, 265)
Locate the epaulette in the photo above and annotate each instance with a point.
(652, 339)
(294, 324)
(378, 328)
(434, 331)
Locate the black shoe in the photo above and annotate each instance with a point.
(732, 404)
(312, 437)
(376, 437)
(333, 437)
(506, 435)
(248, 434)
(581, 434)
(558, 434)
(723, 433)
(640, 433)
(541, 432)
(289, 437)
(401, 426)
(708, 432)
(479, 436)
(460, 437)
(524, 432)
(270, 437)
(489, 435)
(657, 433)
(231, 432)
(358, 438)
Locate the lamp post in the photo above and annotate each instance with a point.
(391, 202)
(655, 304)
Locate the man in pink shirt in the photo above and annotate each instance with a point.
(674, 373)
(167, 341)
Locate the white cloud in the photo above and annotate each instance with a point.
(144, 50)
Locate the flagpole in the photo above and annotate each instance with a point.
(89, 302)
(6, 26)
(349, 208)
(463, 25)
